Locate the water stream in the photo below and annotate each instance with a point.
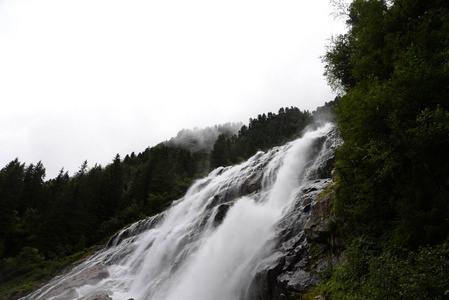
(209, 244)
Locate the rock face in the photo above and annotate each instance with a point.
(289, 270)
(305, 245)
(305, 239)
(318, 227)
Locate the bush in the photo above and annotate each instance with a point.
(28, 259)
(368, 274)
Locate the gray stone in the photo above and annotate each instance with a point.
(317, 226)
(97, 295)
(221, 212)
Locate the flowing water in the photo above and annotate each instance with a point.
(209, 244)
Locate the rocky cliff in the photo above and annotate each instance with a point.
(306, 240)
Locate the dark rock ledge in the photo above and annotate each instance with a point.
(306, 244)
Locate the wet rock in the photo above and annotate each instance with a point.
(325, 169)
(265, 284)
(310, 189)
(97, 295)
(292, 268)
(221, 212)
(317, 227)
(252, 184)
(298, 279)
(307, 208)
(216, 200)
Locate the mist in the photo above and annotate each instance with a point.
(202, 140)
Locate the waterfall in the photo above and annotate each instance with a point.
(208, 245)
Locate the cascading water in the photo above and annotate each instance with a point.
(210, 244)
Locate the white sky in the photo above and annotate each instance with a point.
(87, 79)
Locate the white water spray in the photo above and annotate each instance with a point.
(208, 244)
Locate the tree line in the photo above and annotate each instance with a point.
(263, 132)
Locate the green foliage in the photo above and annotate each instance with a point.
(24, 262)
(394, 120)
(371, 274)
(33, 274)
(392, 171)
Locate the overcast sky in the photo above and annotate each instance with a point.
(88, 79)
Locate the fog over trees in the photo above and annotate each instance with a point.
(202, 140)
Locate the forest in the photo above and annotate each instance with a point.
(48, 224)
(392, 185)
